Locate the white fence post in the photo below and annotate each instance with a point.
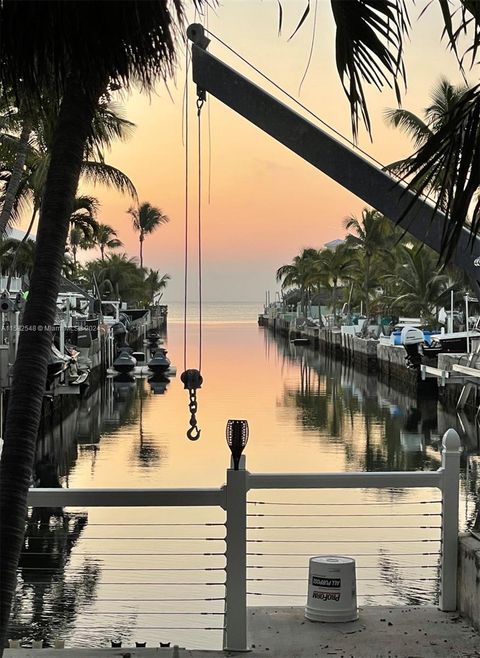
(451, 466)
(235, 638)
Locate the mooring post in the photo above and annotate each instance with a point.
(451, 467)
(235, 637)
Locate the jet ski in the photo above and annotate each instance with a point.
(124, 362)
(159, 363)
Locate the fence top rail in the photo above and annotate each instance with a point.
(214, 497)
(353, 480)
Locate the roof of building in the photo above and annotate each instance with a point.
(68, 286)
(333, 244)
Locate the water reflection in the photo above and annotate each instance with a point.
(306, 412)
(51, 593)
(380, 427)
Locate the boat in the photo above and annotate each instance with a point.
(57, 364)
(456, 341)
(123, 385)
(160, 363)
(395, 336)
(124, 363)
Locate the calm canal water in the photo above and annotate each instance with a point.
(156, 574)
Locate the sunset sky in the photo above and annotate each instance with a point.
(265, 203)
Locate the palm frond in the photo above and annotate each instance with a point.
(140, 46)
(109, 124)
(454, 147)
(461, 21)
(100, 173)
(369, 48)
(409, 123)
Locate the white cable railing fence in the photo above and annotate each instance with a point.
(187, 562)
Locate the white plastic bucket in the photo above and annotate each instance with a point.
(332, 589)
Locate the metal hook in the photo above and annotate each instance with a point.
(200, 101)
(193, 433)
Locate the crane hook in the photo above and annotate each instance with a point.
(193, 433)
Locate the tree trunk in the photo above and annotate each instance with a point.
(334, 300)
(20, 245)
(102, 251)
(16, 177)
(141, 249)
(30, 369)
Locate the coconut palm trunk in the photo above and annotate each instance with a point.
(30, 370)
(141, 239)
(16, 177)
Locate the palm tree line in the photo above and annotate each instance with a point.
(377, 270)
(118, 276)
(378, 266)
(25, 139)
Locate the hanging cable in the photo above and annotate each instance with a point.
(191, 377)
(185, 277)
(200, 102)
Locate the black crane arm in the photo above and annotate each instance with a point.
(338, 161)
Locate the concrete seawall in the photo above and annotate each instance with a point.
(366, 353)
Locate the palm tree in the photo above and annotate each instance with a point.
(77, 240)
(14, 260)
(121, 277)
(444, 100)
(146, 219)
(155, 285)
(369, 50)
(371, 238)
(421, 287)
(106, 238)
(51, 45)
(335, 267)
(109, 124)
(23, 120)
(84, 224)
(299, 275)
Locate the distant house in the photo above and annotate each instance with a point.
(333, 244)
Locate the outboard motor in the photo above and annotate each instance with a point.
(412, 339)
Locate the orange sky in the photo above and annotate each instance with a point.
(266, 203)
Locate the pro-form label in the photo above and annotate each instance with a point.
(326, 596)
(319, 581)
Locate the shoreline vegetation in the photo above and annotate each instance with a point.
(376, 270)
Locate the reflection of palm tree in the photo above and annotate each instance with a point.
(56, 598)
(148, 454)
